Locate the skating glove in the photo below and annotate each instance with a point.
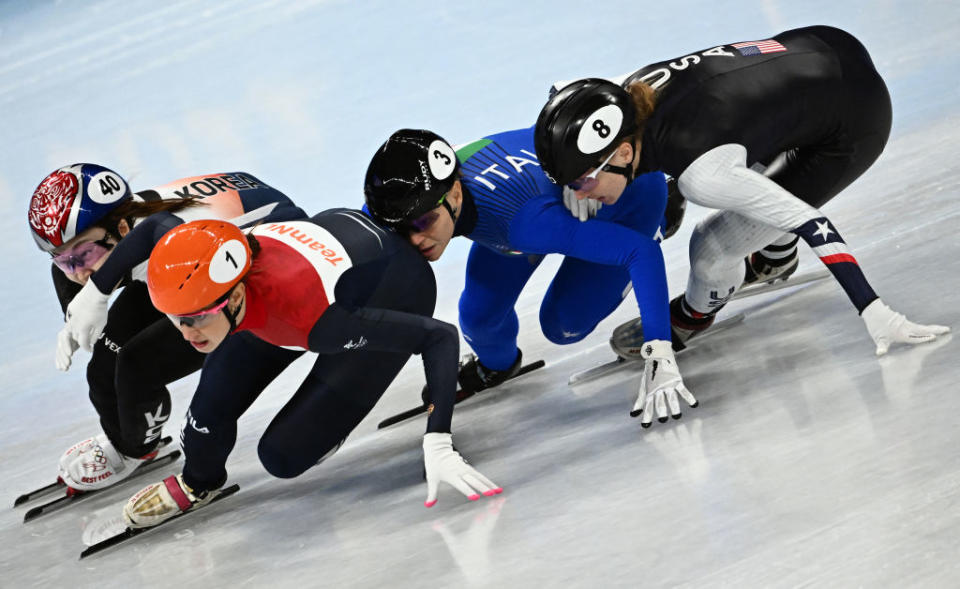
(87, 315)
(661, 384)
(445, 464)
(886, 326)
(66, 346)
(581, 209)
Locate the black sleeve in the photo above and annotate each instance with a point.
(133, 249)
(66, 288)
(396, 331)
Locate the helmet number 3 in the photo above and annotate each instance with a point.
(446, 158)
(600, 129)
(442, 159)
(106, 188)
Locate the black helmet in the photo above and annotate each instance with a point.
(409, 176)
(579, 125)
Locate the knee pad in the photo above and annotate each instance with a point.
(717, 249)
(561, 332)
(279, 463)
(474, 323)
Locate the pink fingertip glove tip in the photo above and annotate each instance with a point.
(473, 497)
(429, 503)
(489, 493)
(498, 490)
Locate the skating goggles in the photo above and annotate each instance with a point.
(200, 318)
(82, 256)
(589, 181)
(424, 221)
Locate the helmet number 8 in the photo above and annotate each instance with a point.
(602, 130)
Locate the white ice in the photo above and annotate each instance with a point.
(809, 461)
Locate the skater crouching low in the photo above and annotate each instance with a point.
(338, 285)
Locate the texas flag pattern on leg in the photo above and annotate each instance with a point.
(826, 242)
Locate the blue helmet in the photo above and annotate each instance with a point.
(71, 200)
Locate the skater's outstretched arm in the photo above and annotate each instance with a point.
(549, 228)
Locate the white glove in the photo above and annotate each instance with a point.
(443, 463)
(661, 384)
(582, 209)
(66, 346)
(87, 315)
(886, 326)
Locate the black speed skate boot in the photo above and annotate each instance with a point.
(474, 377)
(773, 263)
(686, 323)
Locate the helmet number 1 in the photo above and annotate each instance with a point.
(228, 268)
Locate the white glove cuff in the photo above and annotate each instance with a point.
(876, 312)
(91, 291)
(657, 348)
(878, 316)
(435, 442)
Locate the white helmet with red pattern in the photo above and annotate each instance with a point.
(71, 200)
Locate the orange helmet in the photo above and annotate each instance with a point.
(196, 264)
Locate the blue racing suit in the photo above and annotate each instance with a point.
(515, 215)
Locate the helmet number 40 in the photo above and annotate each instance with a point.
(106, 187)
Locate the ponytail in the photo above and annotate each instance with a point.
(644, 102)
(137, 209)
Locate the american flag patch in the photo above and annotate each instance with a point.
(758, 47)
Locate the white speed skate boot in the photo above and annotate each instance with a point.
(159, 502)
(774, 263)
(95, 464)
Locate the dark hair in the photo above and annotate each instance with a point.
(254, 246)
(137, 209)
(644, 102)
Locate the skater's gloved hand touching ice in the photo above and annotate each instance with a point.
(661, 385)
(87, 315)
(886, 326)
(66, 346)
(444, 464)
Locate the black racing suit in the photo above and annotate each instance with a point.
(820, 101)
(811, 96)
(380, 315)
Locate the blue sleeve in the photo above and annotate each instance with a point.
(544, 226)
(133, 249)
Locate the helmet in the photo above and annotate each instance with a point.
(579, 125)
(409, 176)
(195, 264)
(71, 200)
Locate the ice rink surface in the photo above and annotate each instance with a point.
(809, 462)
